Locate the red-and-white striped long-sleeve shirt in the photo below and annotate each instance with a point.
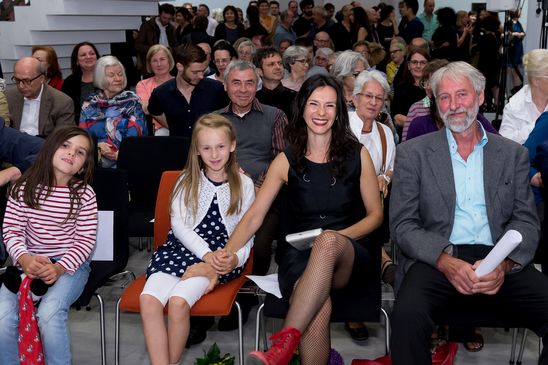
(44, 232)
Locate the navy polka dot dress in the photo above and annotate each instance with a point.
(173, 257)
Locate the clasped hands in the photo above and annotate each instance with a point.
(214, 264)
(40, 267)
(462, 276)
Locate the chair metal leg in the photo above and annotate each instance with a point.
(140, 243)
(513, 349)
(240, 332)
(522, 347)
(258, 326)
(102, 328)
(149, 244)
(386, 331)
(117, 334)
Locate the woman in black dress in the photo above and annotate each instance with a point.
(323, 159)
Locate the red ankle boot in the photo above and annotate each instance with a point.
(281, 351)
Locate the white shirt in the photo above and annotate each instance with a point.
(163, 35)
(372, 142)
(519, 116)
(211, 25)
(31, 113)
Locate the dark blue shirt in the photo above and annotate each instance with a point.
(208, 96)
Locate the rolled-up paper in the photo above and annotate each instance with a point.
(502, 249)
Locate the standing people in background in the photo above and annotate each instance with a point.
(183, 18)
(517, 33)
(274, 8)
(347, 67)
(445, 38)
(268, 61)
(267, 21)
(489, 62)
(231, 28)
(412, 27)
(48, 58)
(35, 107)
(199, 32)
(524, 108)
(340, 31)
(293, 8)
(373, 16)
(112, 114)
(361, 28)
(157, 30)
(428, 19)
(159, 64)
(320, 23)
(465, 28)
(296, 62)
(79, 84)
(209, 192)
(203, 10)
(178, 103)
(51, 217)
(255, 30)
(304, 23)
(284, 30)
(387, 26)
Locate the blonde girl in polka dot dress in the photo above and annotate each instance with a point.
(207, 202)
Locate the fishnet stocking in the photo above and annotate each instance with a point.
(329, 266)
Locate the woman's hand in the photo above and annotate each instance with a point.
(383, 185)
(108, 150)
(203, 269)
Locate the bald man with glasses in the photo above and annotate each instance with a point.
(34, 107)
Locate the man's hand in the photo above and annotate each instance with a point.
(491, 283)
(202, 269)
(32, 264)
(459, 273)
(108, 150)
(49, 273)
(9, 175)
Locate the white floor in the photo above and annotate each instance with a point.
(86, 344)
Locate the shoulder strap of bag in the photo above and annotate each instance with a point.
(383, 144)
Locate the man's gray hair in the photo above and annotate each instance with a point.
(456, 71)
(366, 76)
(99, 76)
(241, 65)
(345, 63)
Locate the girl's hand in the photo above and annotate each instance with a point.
(50, 273)
(202, 269)
(32, 264)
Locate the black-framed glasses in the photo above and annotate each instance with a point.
(303, 61)
(25, 82)
(418, 63)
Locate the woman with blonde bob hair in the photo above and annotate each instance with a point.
(159, 63)
(208, 200)
(524, 108)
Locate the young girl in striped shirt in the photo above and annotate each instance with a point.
(51, 216)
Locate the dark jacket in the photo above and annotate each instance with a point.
(149, 35)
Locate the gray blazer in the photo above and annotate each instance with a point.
(56, 108)
(422, 205)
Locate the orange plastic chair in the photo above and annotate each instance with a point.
(219, 302)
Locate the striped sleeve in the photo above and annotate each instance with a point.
(14, 228)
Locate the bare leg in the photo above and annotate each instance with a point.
(154, 328)
(329, 266)
(178, 325)
(316, 340)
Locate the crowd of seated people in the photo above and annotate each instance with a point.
(368, 102)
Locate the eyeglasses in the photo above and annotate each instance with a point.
(370, 97)
(356, 74)
(222, 60)
(302, 61)
(25, 82)
(417, 63)
(395, 51)
(323, 41)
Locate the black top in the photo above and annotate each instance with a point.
(405, 95)
(72, 86)
(302, 26)
(230, 35)
(445, 34)
(411, 30)
(207, 96)
(281, 97)
(340, 37)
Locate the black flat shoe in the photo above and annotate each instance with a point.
(388, 272)
(360, 333)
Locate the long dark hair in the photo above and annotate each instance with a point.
(343, 142)
(37, 181)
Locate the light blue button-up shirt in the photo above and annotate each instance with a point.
(471, 225)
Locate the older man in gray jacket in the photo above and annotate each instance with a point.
(456, 192)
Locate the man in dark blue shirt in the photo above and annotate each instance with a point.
(179, 102)
(412, 27)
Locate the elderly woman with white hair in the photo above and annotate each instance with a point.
(524, 108)
(296, 62)
(348, 65)
(111, 114)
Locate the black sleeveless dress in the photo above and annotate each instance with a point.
(318, 198)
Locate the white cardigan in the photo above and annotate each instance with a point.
(183, 223)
